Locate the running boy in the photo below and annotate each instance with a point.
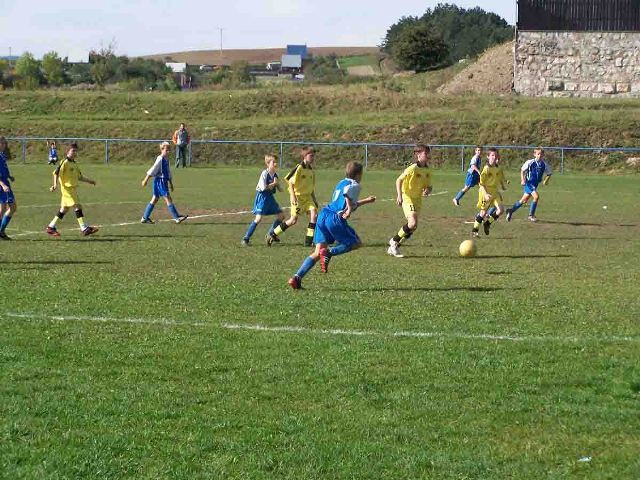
(332, 224)
(7, 200)
(68, 175)
(531, 174)
(161, 184)
(488, 193)
(302, 183)
(53, 153)
(473, 175)
(265, 202)
(413, 184)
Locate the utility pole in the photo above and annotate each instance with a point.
(9, 56)
(220, 29)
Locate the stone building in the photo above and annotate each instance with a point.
(585, 48)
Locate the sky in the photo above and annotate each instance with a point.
(73, 27)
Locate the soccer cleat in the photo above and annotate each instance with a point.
(509, 214)
(181, 218)
(532, 218)
(4, 236)
(456, 202)
(295, 282)
(325, 258)
(308, 242)
(393, 249)
(474, 233)
(89, 231)
(270, 238)
(147, 220)
(244, 242)
(487, 227)
(53, 232)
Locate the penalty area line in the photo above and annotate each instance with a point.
(86, 318)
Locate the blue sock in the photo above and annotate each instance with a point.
(174, 211)
(148, 210)
(305, 267)
(491, 211)
(532, 210)
(460, 195)
(340, 249)
(275, 223)
(5, 221)
(250, 230)
(516, 206)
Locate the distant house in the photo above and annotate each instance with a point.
(179, 70)
(298, 50)
(291, 64)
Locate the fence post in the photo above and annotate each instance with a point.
(281, 155)
(366, 155)
(189, 153)
(24, 151)
(106, 152)
(561, 160)
(462, 158)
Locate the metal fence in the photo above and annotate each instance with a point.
(373, 155)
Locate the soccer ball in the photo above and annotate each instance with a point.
(468, 248)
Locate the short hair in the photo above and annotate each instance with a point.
(270, 156)
(494, 150)
(353, 170)
(306, 151)
(539, 149)
(164, 144)
(421, 147)
(477, 147)
(73, 145)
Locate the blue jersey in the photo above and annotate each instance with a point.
(475, 162)
(53, 153)
(4, 168)
(266, 179)
(160, 169)
(345, 188)
(535, 170)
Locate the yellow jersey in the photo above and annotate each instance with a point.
(68, 173)
(415, 179)
(490, 178)
(302, 180)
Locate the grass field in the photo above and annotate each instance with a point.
(168, 351)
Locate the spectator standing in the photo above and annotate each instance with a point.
(181, 140)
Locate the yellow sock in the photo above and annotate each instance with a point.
(81, 223)
(476, 225)
(53, 222)
(310, 232)
(278, 230)
(402, 234)
(491, 219)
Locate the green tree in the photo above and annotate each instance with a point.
(53, 69)
(420, 48)
(104, 65)
(27, 72)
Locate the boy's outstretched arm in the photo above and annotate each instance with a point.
(364, 201)
(145, 180)
(87, 180)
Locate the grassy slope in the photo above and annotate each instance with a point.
(106, 399)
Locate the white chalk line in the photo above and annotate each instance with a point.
(124, 224)
(288, 329)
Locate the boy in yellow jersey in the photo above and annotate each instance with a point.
(491, 177)
(68, 175)
(302, 182)
(413, 184)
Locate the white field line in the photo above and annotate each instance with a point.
(124, 224)
(331, 332)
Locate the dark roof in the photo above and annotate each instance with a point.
(297, 50)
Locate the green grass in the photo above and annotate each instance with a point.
(141, 379)
(372, 61)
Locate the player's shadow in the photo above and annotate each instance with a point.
(480, 257)
(92, 240)
(60, 262)
(427, 289)
(573, 224)
(576, 238)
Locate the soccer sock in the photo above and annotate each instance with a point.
(279, 230)
(80, 218)
(532, 209)
(5, 221)
(516, 206)
(250, 230)
(493, 216)
(59, 216)
(147, 211)
(275, 223)
(404, 233)
(477, 223)
(340, 249)
(460, 195)
(173, 210)
(305, 267)
(310, 229)
(491, 211)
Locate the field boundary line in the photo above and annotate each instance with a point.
(289, 329)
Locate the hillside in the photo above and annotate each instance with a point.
(491, 74)
(253, 56)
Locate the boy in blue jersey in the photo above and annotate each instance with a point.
(532, 173)
(265, 202)
(161, 185)
(332, 224)
(473, 175)
(7, 200)
(53, 153)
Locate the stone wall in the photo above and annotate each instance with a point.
(577, 64)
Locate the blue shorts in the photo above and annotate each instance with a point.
(160, 187)
(7, 197)
(473, 179)
(331, 228)
(529, 188)
(265, 204)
